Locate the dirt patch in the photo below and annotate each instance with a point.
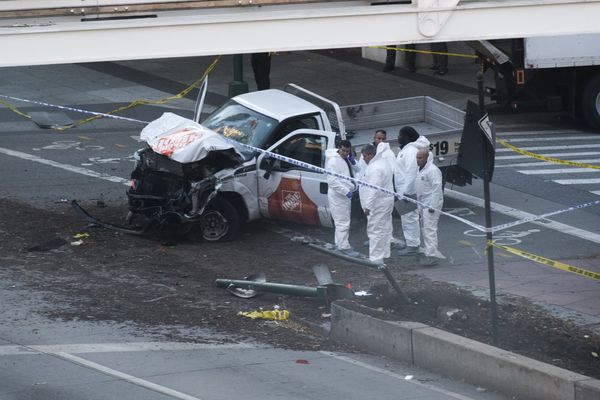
(117, 277)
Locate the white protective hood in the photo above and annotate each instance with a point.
(182, 139)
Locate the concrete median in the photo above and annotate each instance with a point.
(458, 357)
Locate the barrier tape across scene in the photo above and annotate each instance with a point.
(548, 262)
(110, 114)
(302, 164)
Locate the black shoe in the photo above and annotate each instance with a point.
(411, 69)
(388, 68)
(434, 67)
(441, 72)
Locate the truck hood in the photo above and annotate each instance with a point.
(186, 141)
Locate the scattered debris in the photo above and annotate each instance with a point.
(448, 314)
(408, 377)
(81, 235)
(327, 291)
(275, 314)
(77, 243)
(302, 362)
(50, 244)
(481, 389)
(247, 293)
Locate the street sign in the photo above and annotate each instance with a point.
(476, 152)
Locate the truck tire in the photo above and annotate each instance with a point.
(590, 103)
(220, 221)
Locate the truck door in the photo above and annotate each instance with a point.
(291, 192)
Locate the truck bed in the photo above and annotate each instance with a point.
(441, 123)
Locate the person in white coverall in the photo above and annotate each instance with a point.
(377, 205)
(429, 190)
(406, 172)
(379, 136)
(340, 193)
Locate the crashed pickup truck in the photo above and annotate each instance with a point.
(211, 176)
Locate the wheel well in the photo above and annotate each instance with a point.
(237, 201)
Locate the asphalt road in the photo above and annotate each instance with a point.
(93, 162)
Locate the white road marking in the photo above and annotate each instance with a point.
(519, 214)
(67, 167)
(561, 155)
(596, 192)
(395, 375)
(589, 181)
(541, 163)
(574, 170)
(563, 147)
(126, 377)
(117, 347)
(553, 138)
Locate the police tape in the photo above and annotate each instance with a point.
(79, 110)
(442, 53)
(544, 158)
(355, 181)
(522, 221)
(97, 115)
(548, 262)
(324, 171)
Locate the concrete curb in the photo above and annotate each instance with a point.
(458, 357)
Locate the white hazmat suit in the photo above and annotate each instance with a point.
(339, 202)
(429, 190)
(406, 173)
(379, 204)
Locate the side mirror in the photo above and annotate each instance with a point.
(268, 164)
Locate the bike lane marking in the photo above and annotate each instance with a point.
(519, 214)
(67, 167)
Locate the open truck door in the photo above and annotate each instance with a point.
(293, 192)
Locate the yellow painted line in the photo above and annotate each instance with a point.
(84, 137)
(466, 243)
(121, 146)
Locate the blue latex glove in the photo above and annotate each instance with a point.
(349, 194)
(352, 159)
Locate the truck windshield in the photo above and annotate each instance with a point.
(241, 124)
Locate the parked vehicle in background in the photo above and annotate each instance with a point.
(560, 73)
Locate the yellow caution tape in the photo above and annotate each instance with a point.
(14, 109)
(140, 102)
(133, 104)
(424, 51)
(543, 158)
(276, 315)
(551, 263)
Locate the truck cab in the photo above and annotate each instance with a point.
(289, 126)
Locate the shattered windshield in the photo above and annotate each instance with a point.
(241, 124)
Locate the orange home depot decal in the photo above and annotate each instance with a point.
(289, 202)
(174, 141)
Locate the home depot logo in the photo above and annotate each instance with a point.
(170, 143)
(292, 201)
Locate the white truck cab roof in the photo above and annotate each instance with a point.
(276, 104)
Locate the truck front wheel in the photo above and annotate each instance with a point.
(220, 221)
(590, 103)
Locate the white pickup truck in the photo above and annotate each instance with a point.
(226, 185)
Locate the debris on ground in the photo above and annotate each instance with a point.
(275, 314)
